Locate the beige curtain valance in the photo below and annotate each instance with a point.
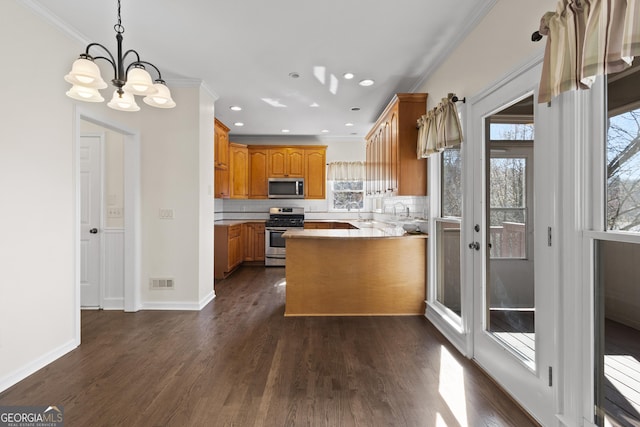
(346, 171)
(586, 38)
(439, 129)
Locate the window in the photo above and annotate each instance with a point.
(346, 185)
(451, 181)
(623, 171)
(347, 195)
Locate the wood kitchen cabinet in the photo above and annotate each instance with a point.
(393, 167)
(238, 171)
(221, 178)
(286, 162)
(228, 249)
(221, 160)
(315, 173)
(221, 145)
(258, 173)
(253, 236)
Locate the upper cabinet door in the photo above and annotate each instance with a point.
(221, 145)
(295, 163)
(277, 162)
(315, 173)
(258, 173)
(286, 162)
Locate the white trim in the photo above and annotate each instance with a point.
(448, 328)
(179, 305)
(613, 236)
(37, 364)
(113, 304)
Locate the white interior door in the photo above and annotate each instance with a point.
(514, 269)
(90, 220)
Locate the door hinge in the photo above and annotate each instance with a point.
(548, 236)
(550, 376)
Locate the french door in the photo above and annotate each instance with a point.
(513, 189)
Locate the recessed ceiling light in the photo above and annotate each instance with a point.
(235, 108)
(348, 76)
(285, 131)
(294, 75)
(355, 108)
(366, 82)
(325, 131)
(348, 124)
(314, 105)
(238, 124)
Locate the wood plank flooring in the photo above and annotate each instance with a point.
(240, 362)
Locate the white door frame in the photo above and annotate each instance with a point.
(132, 184)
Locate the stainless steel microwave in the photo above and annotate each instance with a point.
(286, 188)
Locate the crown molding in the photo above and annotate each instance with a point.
(53, 19)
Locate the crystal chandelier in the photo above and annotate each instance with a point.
(131, 80)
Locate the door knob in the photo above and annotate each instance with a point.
(474, 245)
(93, 231)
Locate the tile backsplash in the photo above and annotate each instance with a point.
(318, 209)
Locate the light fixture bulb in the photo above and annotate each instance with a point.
(123, 102)
(139, 82)
(83, 93)
(161, 98)
(366, 82)
(86, 73)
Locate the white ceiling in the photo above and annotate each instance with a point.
(244, 51)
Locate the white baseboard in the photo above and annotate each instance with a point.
(113, 304)
(445, 329)
(34, 366)
(207, 299)
(178, 305)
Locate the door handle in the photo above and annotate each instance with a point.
(474, 245)
(93, 231)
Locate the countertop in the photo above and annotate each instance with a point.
(237, 221)
(365, 230)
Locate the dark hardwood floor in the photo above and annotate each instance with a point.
(240, 362)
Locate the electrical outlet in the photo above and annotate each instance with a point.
(114, 212)
(166, 214)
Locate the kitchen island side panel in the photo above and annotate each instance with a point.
(355, 277)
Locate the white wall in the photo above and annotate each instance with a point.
(500, 43)
(38, 308)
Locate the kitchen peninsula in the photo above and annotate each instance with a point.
(368, 271)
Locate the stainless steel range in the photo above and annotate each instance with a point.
(280, 220)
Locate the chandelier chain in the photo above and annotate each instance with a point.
(118, 27)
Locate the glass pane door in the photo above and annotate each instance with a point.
(515, 271)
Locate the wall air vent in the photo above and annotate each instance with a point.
(161, 283)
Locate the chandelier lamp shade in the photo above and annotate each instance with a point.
(132, 79)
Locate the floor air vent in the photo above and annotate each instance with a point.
(161, 283)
